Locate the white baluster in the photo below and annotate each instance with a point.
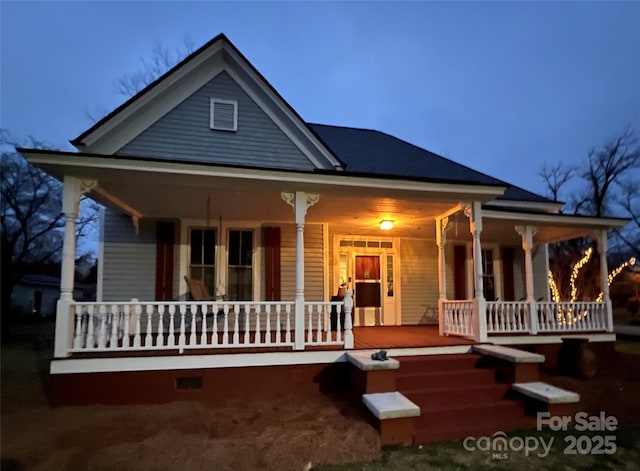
(225, 335)
(203, 332)
(236, 326)
(77, 338)
(113, 341)
(182, 336)
(348, 331)
(192, 331)
(171, 339)
(214, 328)
(278, 325)
(287, 335)
(160, 335)
(102, 323)
(320, 315)
(126, 341)
(148, 340)
(138, 314)
(267, 336)
(310, 323)
(258, 339)
(90, 333)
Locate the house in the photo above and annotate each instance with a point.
(37, 295)
(209, 174)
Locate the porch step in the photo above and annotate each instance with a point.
(458, 422)
(458, 398)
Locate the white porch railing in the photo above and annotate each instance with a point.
(126, 326)
(458, 317)
(572, 317)
(507, 317)
(522, 317)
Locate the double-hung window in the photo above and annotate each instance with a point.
(240, 266)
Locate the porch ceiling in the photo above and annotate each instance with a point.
(356, 204)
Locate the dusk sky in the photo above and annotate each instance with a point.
(500, 87)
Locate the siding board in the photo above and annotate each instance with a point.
(129, 261)
(419, 278)
(313, 262)
(184, 133)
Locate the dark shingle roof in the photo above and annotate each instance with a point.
(373, 152)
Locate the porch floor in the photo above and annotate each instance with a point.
(366, 338)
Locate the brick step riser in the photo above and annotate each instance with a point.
(445, 380)
(430, 435)
(498, 412)
(446, 397)
(437, 364)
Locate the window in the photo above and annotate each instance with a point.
(488, 275)
(224, 115)
(240, 263)
(202, 262)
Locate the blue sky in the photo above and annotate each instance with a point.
(500, 87)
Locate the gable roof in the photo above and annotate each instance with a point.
(144, 108)
(370, 152)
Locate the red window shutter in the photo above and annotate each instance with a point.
(460, 271)
(507, 271)
(272, 263)
(165, 235)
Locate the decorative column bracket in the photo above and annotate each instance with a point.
(300, 202)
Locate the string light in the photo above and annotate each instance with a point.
(576, 271)
(567, 317)
(616, 272)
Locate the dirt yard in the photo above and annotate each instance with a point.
(286, 434)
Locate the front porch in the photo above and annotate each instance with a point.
(165, 328)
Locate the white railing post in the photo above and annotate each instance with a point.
(604, 277)
(480, 320)
(348, 324)
(527, 233)
(533, 317)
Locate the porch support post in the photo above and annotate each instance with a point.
(474, 213)
(442, 226)
(300, 202)
(72, 190)
(527, 233)
(604, 276)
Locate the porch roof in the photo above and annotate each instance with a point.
(551, 227)
(163, 189)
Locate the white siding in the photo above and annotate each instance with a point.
(313, 262)
(540, 273)
(184, 133)
(419, 278)
(129, 265)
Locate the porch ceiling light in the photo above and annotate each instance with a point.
(386, 225)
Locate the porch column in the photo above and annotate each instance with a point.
(72, 190)
(300, 202)
(527, 233)
(442, 226)
(601, 237)
(474, 213)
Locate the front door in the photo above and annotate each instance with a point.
(367, 287)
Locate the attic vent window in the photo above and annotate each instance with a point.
(224, 115)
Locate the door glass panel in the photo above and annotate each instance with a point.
(389, 275)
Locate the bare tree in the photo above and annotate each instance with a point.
(556, 176)
(606, 186)
(160, 61)
(31, 221)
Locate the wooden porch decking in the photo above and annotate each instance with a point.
(366, 338)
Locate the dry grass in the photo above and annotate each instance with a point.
(282, 434)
